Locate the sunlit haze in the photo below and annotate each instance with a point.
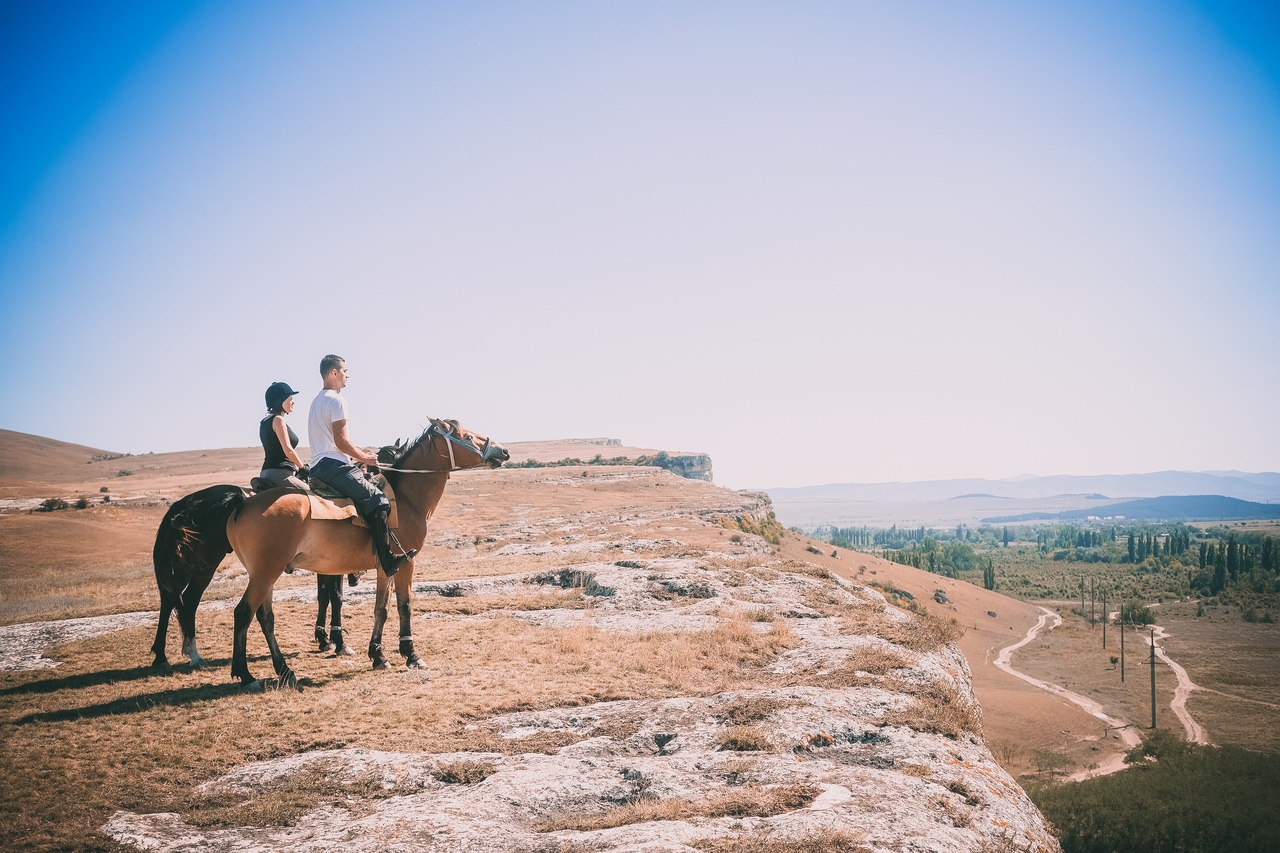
(822, 242)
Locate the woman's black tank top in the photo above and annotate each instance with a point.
(274, 453)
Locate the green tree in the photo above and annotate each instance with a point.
(989, 574)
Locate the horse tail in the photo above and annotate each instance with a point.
(193, 535)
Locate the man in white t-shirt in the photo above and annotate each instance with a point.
(332, 453)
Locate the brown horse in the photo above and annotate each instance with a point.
(274, 530)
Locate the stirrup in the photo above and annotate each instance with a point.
(398, 561)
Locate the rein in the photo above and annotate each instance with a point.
(450, 441)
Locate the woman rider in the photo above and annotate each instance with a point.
(280, 467)
(280, 464)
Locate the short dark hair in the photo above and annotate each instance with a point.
(330, 362)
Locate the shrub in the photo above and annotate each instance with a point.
(83, 503)
(52, 505)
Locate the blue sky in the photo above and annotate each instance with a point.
(824, 242)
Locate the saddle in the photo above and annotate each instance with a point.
(330, 505)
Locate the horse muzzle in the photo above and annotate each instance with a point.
(495, 454)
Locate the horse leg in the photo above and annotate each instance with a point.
(336, 634)
(167, 604)
(404, 597)
(187, 616)
(239, 653)
(379, 622)
(267, 619)
(322, 599)
(255, 597)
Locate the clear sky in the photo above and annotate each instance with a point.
(821, 241)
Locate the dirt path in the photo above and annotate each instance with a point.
(1128, 736)
(1195, 732)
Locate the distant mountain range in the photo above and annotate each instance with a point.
(1264, 488)
(1165, 508)
(1029, 498)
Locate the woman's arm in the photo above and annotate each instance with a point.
(282, 433)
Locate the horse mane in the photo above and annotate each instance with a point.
(394, 455)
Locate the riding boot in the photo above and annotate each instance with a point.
(382, 545)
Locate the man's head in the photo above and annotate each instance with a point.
(333, 372)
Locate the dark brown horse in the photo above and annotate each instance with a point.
(274, 530)
(191, 542)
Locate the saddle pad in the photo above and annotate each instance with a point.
(337, 509)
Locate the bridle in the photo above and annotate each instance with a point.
(488, 453)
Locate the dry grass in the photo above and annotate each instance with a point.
(921, 631)
(285, 801)
(746, 801)
(750, 709)
(464, 771)
(920, 771)
(822, 841)
(864, 666)
(470, 605)
(103, 732)
(801, 567)
(744, 739)
(937, 708)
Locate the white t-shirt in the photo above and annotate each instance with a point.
(327, 407)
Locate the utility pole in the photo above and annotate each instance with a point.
(1153, 678)
(1106, 617)
(1082, 595)
(1122, 645)
(1091, 599)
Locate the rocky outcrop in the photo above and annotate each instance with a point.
(851, 723)
(691, 466)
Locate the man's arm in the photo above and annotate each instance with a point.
(344, 444)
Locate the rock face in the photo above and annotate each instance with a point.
(855, 727)
(692, 466)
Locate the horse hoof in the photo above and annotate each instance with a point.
(380, 664)
(344, 651)
(255, 686)
(327, 647)
(197, 664)
(415, 662)
(162, 666)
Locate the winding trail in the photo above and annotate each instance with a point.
(1128, 736)
(1195, 732)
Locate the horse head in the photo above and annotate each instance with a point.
(444, 446)
(465, 443)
